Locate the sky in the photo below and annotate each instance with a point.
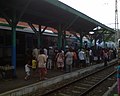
(101, 10)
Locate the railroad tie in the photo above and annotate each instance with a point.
(100, 76)
(91, 82)
(85, 84)
(94, 80)
(75, 92)
(97, 78)
(80, 87)
(62, 94)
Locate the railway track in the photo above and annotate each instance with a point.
(85, 86)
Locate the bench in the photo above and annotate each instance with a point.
(6, 72)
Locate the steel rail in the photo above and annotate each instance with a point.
(95, 85)
(71, 82)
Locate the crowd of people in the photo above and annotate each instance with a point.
(41, 60)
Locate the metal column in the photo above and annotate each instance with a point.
(64, 41)
(39, 37)
(81, 43)
(59, 37)
(14, 48)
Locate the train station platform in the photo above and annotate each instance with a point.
(18, 86)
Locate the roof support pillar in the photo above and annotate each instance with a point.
(64, 40)
(14, 48)
(33, 28)
(81, 40)
(14, 24)
(104, 40)
(59, 37)
(39, 37)
(37, 33)
(40, 32)
(95, 45)
(95, 37)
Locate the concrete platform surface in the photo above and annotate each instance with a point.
(18, 86)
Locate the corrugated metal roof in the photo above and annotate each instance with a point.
(51, 13)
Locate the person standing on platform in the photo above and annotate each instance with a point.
(75, 59)
(87, 57)
(105, 57)
(69, 60)
(27, 70)
(60, 60)
(55, 59)
(82, 58)
(42, 65)
(50, 58)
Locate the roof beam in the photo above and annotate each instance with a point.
(77, 13)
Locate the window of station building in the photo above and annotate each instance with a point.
(8, 38)
(35, 41)
(1, 40)
(53, 41)
(44, 40)
(7, 51)
(20, 44)
(29, 42)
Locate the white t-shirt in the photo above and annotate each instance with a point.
(81, 55)
(27, 68)
(69, 58)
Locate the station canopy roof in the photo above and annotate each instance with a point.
(51, 13)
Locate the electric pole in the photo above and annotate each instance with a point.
(116, 22)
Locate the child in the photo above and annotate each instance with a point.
(27, 70)
(34, 65)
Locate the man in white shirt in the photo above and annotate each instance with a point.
(82, 57)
